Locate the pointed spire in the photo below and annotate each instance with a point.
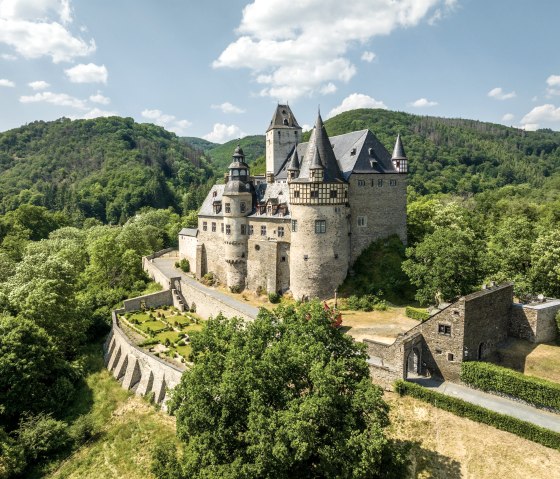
(398, 151)
(293, 165)
(321, 154)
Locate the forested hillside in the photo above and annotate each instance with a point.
(107, 168)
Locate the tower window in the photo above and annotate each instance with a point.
(305, 257)
(294, 225)
(450, 357)
(333, 193)
(362, 220)
(213, 227)
(314, 193)
(222, 227)
(285, 122)
(214, 193)
(243, 229)
(379, 183)
(444, 329)
(361, 183)
(392, 182)
(204, 226)
(296, 193)
(353, 151)
(283, 259)
(228, 229)
(242, 207)
(263, 230)
(251, 230)
(280, 231)
(228, 208)
(320, 226)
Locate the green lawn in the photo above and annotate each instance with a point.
(153, 325)
(184, 350)
(173, 336)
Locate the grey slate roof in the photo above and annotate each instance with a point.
(360, 162)
(398, 151)
(293, 164)
(283, 118)
(207, 208)
(189, 232)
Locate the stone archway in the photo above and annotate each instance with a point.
(481, 351)
(413, 363)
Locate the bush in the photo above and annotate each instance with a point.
(420, 314)
(369, 302)
(462, 408)
(491, 378)
(165, 464)
(209, 279)
(12, 456)
(185, 265)
(41, 436)
(81, 430)
(235, 289)
(274, 298)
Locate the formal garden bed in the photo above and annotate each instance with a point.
(165, 331)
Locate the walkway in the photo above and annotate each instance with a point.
(495, 403)
(166, 265)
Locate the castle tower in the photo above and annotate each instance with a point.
(320, 245)
(281, 136)
(399, 159)
(236, 205)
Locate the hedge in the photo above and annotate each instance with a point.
(477, 413)
(491, 378)
(417, 313)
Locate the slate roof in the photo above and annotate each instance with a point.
(207, 208)
(398, 151)
(283, 118)
(353, 154)
(189, 232)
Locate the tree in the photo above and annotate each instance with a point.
(285, 396)
(33, 374)
(545, 259)
(12, 456)
(446, 264)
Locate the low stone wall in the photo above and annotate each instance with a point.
(154, 300)
(159, 253)
(154, 272)
(535, 323)
(136, 369)
(207, 305)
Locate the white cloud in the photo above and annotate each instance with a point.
(96, 113)
(222, 133)
(553, 82)
(548, 114)
(328, 88)
(227, 107)
(423, 102)
(87, 73)
(37, 28)
(295, 51)
(500, 94)
(306, 127)
(355, 101)
(169, 122)
(7, 83)
(99, 98)
(39, 85)
(59, 99)
(368, 56)
(508, 117)
(8, 57)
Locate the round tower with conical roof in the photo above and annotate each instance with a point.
(236, 205)
(320, 244)
(398, 158)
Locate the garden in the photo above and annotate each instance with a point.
(166, 331)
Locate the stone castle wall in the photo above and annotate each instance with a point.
(535, 323)
(136, 369)
(383, 204)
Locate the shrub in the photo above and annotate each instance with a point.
(235, 289)
(81, 430)
(149, 342)
(274, 298)
(477, 413)
(41, 436)
(165, 464)
(209, 279)
(492, 378)
(260, 291)
(420, 314)
(193, 308)
(184, 265)
(167, 342)
(12, 456)
(369, 302)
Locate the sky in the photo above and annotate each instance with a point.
(217, 68)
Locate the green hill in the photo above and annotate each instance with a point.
(107, 168)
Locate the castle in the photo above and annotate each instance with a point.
(302, 226)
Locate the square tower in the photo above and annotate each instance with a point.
(281, 137)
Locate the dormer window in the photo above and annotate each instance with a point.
(370, 151)
(285, 122)
(353, 151)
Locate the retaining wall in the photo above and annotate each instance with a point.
(154, 300)
(138, 370)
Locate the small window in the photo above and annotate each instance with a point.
(228, 208)
(285, 122)
(214, 193)
(296, 193)
(204, 226)
(242, 207)
(450, 357)
(305, 257)
(439, 351)
(337, 209)
(314, 193)
(333, 193)
(280, 231)
(213, 227)
(222, 227)
(362, 220)
(283, 259)
(228, 229)
(336, 256)
(257, 247)
(380, 183)
(361, 183)
(320, 226)
(392, 182)
(352, 151)
(263, 230)
(243, 229)
(294, 225)
(444, 329)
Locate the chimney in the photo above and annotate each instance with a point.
(269, 177)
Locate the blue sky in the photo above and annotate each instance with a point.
(216, 69)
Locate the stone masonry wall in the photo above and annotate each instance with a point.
(136, 369)
(154, 300)
(155, 273)
(534, 323)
